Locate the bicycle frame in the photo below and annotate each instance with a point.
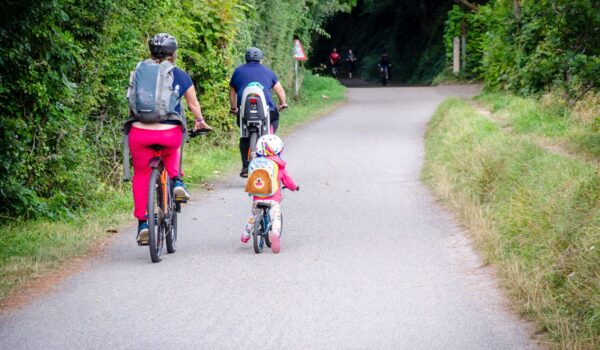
(156, 163)
(267, 221)
(161, 210)
(262, 236)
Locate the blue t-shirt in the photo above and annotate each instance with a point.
(254, 72)
(184, 81)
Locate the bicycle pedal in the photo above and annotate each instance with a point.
(143, 244)
(180, 200)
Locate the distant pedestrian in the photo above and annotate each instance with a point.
(350, 60)
(334, 60)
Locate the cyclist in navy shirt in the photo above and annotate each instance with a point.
(254, 71)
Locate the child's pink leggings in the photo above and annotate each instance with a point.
(139, 140)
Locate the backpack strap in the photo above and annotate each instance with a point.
(126, 155)
(126, 151)
(183, 139)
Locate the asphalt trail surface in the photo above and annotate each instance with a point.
(369, 259)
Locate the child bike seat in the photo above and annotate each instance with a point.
(263, 205)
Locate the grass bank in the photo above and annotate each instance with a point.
(534, 214)
(31, 249)
(575, 128)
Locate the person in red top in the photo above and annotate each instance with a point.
(334, 60)
(271, 146)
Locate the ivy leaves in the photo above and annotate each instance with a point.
(549, 44)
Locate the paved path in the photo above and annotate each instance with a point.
(369, 259)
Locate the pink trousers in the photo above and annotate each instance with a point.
(139, 140)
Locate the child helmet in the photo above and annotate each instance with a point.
(269, 145)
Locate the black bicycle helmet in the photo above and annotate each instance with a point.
(254, 54)
(162, 45)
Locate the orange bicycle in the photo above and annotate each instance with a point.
(162, 209)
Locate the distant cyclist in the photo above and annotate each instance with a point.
(168, 133)
(350, 60)
(384, 68)
(254, 72)
(334, 60)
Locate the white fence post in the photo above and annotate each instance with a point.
(456, 55)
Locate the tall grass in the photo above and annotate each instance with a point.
(578, 127)
(534, 214)
(29, 249)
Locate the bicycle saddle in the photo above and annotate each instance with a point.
(262, 205)
(156, 147)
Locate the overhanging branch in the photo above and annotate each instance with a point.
(471, 6)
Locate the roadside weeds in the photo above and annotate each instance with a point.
(535, 215)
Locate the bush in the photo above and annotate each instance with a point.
(64, 69)
(539, 46)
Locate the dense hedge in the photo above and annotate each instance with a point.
(63, 71)
(532, 46)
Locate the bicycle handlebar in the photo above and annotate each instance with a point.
(199, 132)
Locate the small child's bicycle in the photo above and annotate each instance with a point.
(262, 227)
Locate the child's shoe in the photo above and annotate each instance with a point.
(275, 244)
(245, 237)
(247, 230)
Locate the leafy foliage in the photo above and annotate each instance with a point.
(532, 46)
(275, 22)
(64, 67)
(474, 26)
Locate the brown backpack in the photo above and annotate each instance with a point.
(263, 177)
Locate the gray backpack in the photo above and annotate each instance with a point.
(152, 98)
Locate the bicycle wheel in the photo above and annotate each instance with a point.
(281, 229)
(156, 227)
(257, 234)
(171, 237)
(253, 139)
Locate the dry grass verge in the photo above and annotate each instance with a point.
(534, 214)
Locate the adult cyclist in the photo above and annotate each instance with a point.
(168, 133)
(254, 72)
(384, 67)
